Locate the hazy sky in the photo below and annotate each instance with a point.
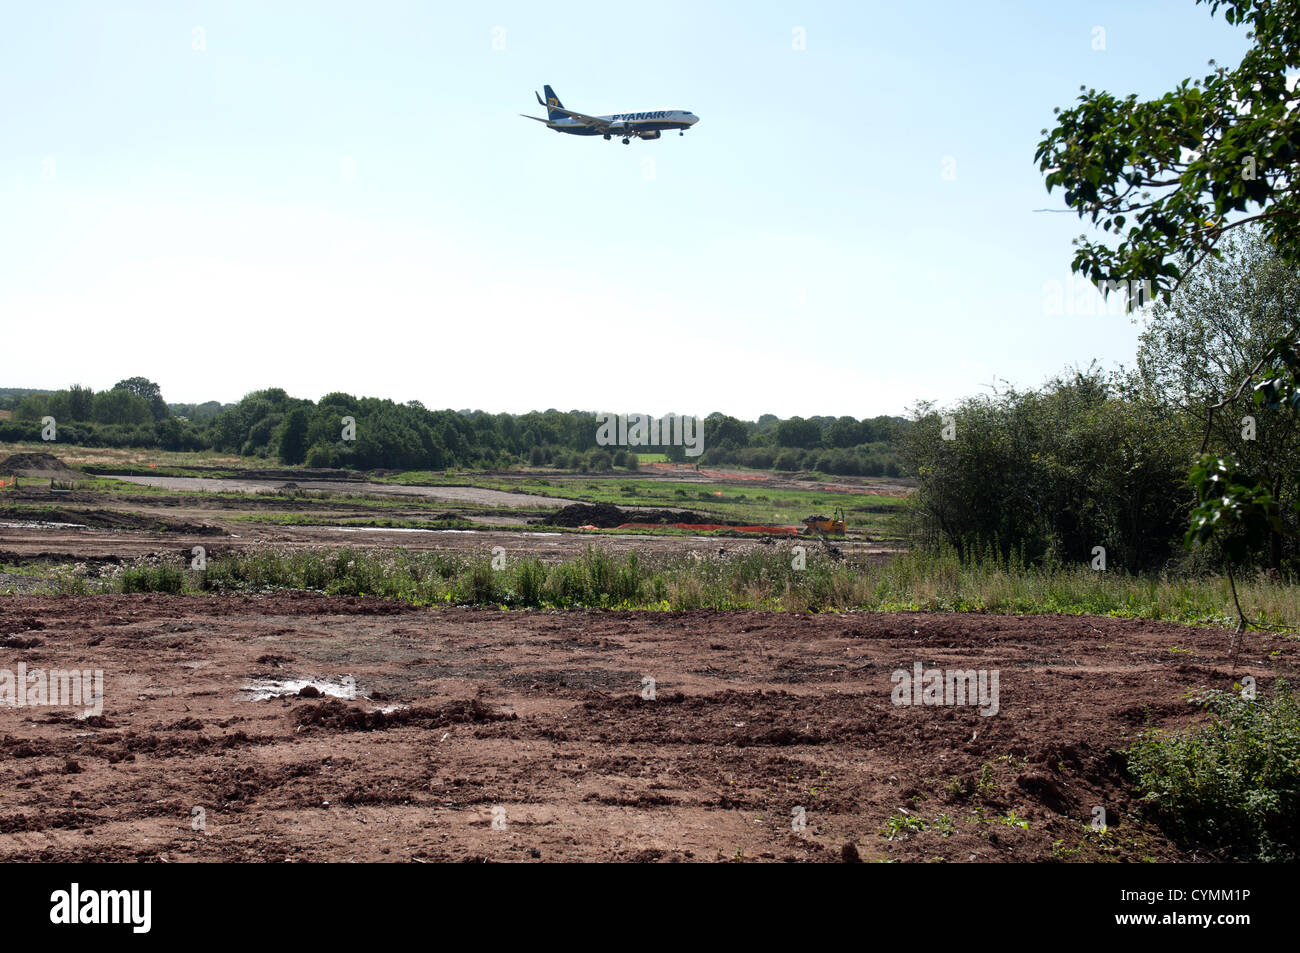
(324, 196)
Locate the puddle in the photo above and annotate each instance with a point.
(261, 689)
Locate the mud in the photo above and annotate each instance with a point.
(61, 517)
(485, 735)
(42, 465)
(468, 494)
(608, 516)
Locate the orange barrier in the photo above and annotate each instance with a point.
(711, 527)
(719, 474)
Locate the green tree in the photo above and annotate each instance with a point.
(80, 400)
(797, 432)
(1220, 322)
(147, 391)
(120, 406)
(844, 432)
(293, 437)
(1172, 176)
(1051, 474)
(725, 433)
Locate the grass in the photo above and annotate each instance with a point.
(760, 578)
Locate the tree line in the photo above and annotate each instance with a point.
(384, 434)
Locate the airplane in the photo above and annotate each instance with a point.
(625, 125)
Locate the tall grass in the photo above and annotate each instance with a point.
(761, 577)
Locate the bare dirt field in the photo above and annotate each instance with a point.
(72, 544)
(489, 735)
(84, 525)
(466, 494)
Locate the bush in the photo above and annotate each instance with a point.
(481, 586)
(789, 460)
(1234, 783)
(151, 579)
(320, 456)
(530, 581)
(1058, 471)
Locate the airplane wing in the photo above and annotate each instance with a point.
(591, 122)
(535, 118)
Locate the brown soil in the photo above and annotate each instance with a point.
(44, 466)
(608, 516)
(469, 494)
(55, 545)
(536, 720)
(106, 519)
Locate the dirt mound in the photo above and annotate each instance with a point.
(608, 516)
(336, 716)
(107, 519)
(41, 465)
(586, 514)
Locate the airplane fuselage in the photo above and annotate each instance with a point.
(626, 126)
(634, 123)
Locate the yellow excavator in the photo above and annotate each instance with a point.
(823, 526)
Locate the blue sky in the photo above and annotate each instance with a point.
(320, 196)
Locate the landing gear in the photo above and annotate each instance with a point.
(607, 137)
(626, 141)
(682, 133)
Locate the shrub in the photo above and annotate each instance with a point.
(530, 581)
(151, 579)
(789, 460)
(1234, 783)
(320, 456)
(480, 586)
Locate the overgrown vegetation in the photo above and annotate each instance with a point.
(1233, 784)
(1109, 459)
(1171, 178)
(762, 577)
(1054, 473)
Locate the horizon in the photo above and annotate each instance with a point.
(464, 411)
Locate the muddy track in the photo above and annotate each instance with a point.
(61, 544)
(537, 721)
(469, 494)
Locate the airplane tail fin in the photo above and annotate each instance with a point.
(551, 102)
